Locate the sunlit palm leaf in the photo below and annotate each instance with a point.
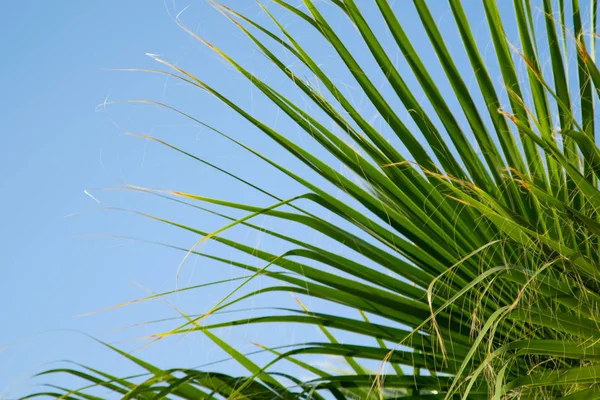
(484, 239)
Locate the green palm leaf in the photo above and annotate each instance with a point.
(479, 267)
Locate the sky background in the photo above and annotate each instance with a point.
(62, 136)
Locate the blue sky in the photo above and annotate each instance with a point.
(57, 142)
(56, 145)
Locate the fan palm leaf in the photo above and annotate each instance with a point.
(480, 231)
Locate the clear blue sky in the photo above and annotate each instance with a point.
(56, 144)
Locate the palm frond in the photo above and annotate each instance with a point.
(476, 223)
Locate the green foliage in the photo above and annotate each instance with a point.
(483, 245)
